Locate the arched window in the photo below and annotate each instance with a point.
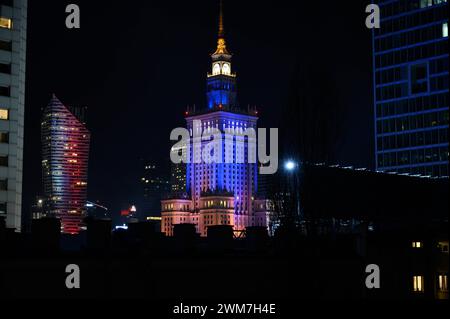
(226, 69)
(216, 69)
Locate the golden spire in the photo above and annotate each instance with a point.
(221, 29)
(221, 45)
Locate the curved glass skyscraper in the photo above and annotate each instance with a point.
(65, 154)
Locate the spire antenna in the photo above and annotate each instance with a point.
(221, 28)
(221, 45)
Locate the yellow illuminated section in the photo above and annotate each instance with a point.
(216, 69)
(443, 285)
(226, 69)
(418, 284)
(4, 114)
(221, 47)
(5, 23)
(417, 244)
(221, 67)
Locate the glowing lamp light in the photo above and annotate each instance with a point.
(133, 209)
(290, 165)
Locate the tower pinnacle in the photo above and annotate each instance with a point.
(221, 45)
(221, 28)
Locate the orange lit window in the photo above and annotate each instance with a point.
(5, 23)
(4, 114)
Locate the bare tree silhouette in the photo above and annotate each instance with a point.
(310, 133)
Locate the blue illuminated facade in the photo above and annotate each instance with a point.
(221, 192)
(411, 87)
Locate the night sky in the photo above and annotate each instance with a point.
(136, 65)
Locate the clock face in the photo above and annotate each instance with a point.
(226, 69)
(216, 69)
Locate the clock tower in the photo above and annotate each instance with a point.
(221, 192)
(221, 82)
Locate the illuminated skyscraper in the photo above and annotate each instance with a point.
(13, 35)
(65, 154)
(222, 192)
(411, 87)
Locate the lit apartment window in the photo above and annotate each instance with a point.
(417, 244)
(418, 283)
(4, 114)
(429, 3)
(445, 30)
(442, 283)
(5, 23)
(443, 246)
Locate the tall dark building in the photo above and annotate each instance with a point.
(155, 185)
(411, 87)
(178, 178)
(65, 154)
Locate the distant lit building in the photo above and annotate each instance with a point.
(178, 178)
(129, 215)
(65, 154)
(218, 193)
(154, 187)
(13, 35)
(96, 210)
(39, 208)
(411, 87)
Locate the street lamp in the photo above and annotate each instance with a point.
(290, 165)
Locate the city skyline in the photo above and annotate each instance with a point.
(121, 138)
(166, 147)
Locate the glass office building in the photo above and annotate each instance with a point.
(13, 36)
(411, 87)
